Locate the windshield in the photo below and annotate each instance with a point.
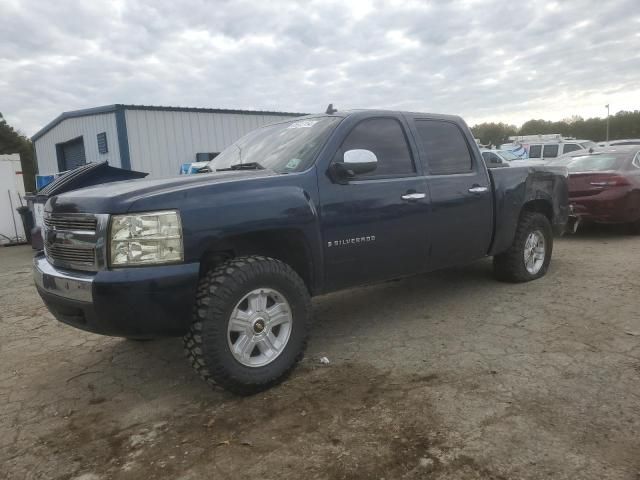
(283, 147)
(588, 145)
(508, 156)
(594, 163)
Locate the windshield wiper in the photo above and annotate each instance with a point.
(242, 166)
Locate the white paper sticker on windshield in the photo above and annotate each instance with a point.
(303, 124)
(293, 163)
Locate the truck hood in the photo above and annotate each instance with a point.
(118, 197)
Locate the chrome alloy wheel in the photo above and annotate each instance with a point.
(259, 327)
(534, 252)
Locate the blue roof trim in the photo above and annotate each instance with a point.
(73, 114)
(123, 138)
(116, 107)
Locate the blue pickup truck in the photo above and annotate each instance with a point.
(230, 258)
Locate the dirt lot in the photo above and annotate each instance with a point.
(445, 376)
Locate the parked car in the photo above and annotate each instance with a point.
(498, 158)
(567, 158)
(604, 186)
(230, 259)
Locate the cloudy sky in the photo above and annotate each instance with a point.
(494, 60)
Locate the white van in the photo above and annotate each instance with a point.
(548, 150)
(546, 147)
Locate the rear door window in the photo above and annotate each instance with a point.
(535, 151)
(570, 147)
(550, 151)
(444, 146)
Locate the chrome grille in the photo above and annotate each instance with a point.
(69, 222)
(71, 239)
(64, 253)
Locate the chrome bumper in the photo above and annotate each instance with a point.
(74, 286)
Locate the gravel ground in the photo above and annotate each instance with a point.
(447, 376)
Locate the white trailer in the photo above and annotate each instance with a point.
(11, 197)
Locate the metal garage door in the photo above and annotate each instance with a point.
(73, 154)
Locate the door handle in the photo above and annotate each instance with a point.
(413, 196)
(478, 189)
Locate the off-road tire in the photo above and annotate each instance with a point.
(509, 266)
(219, 291)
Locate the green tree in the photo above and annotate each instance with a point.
(493, 133)
(624, 124)
(12, 141)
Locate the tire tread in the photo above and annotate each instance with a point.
(509, 266)
(215, 291)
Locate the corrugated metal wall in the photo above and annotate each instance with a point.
(160, 141)
(68, 129)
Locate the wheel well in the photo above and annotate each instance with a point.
(288, 246)
(540, 206)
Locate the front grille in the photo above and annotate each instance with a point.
(71, 255)
(70, 240)
(70, 222)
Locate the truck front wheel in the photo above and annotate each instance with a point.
(251, 323)
(529, 256)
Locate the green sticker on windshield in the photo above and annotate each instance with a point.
(293, 163)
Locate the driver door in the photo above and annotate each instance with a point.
(374, 226)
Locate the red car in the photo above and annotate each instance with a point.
(604, 186)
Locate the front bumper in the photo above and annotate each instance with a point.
(141, 302)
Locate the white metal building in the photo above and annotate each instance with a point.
(151, 139)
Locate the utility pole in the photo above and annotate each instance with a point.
(607, 106)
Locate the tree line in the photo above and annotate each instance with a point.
(624, 124)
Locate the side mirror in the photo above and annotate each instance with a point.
(355, 162)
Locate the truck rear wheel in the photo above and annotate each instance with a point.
(529, 256)
(251, 322)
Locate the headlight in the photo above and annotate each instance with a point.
(146, 238)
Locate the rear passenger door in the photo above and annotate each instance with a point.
(461, 220)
